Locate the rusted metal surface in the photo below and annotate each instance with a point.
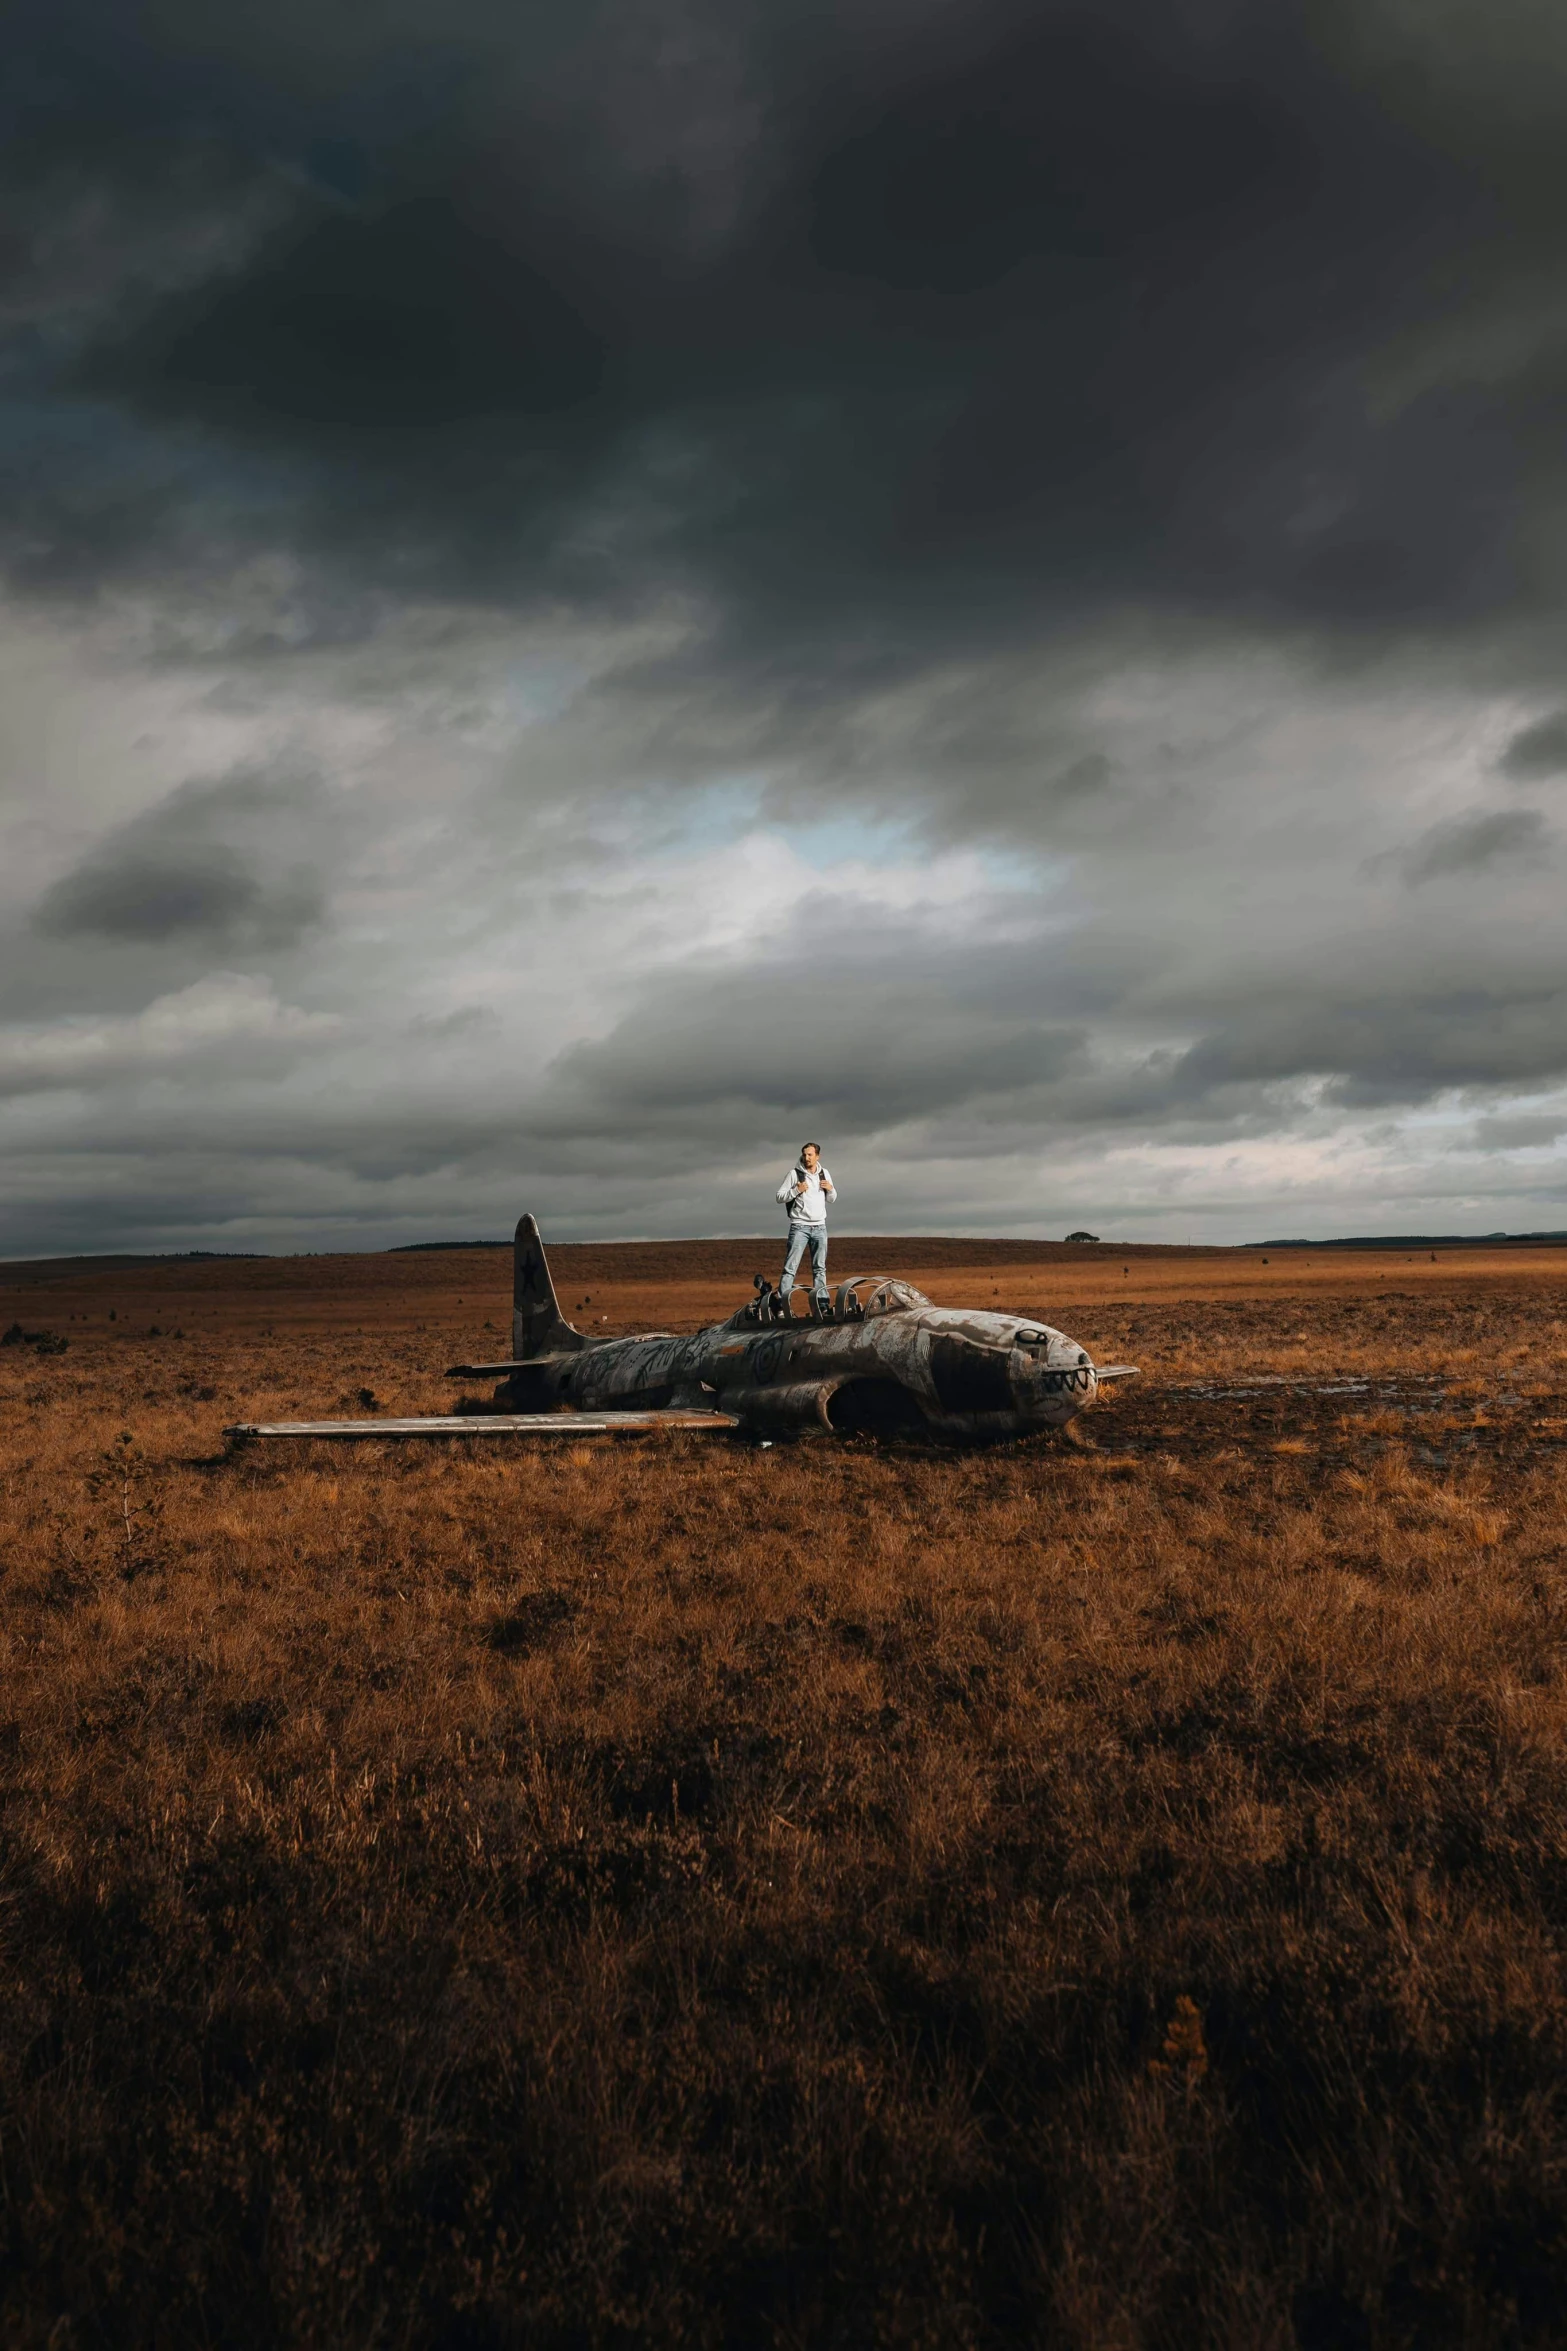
(879, 1354)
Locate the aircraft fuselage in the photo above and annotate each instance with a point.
(900, 1360)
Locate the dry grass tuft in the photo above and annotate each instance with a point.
(1095, 1894)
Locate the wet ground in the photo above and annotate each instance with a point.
(1439, 1421)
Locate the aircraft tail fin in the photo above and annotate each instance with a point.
(537, 1325)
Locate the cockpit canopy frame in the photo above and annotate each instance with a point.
(866, 1295)
(863, 1297)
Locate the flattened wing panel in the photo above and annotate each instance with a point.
(969, 1378)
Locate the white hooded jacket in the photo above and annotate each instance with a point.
(810, 1206)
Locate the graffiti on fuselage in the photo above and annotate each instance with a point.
(959, 1365)
(762, 1360)
(629, 1367)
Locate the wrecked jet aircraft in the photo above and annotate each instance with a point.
(878, 1358)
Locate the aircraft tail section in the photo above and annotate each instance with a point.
(537, 1325)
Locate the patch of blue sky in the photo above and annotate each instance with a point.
(688, 824)
(836, 841)
(852, 840)
(539, 691)
(726, 811)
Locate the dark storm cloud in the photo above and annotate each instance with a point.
(409, 320)
(868, 337)
(1539, 750)
(211, 866)
(935, 417)
(208, 894)
(1468, 844)
(931, 1033)
(901, 1048)
(1390, 1048)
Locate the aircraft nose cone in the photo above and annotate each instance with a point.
(1057, 1381)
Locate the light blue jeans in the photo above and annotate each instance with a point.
(801, 1237)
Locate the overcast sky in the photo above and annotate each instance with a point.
(592, 590)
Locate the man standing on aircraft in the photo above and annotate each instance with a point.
(805, 1191)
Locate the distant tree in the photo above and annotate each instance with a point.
(1082, 1236)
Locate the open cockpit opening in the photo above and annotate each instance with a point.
(862, 1298)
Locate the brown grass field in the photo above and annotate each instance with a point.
(1100, 1891)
